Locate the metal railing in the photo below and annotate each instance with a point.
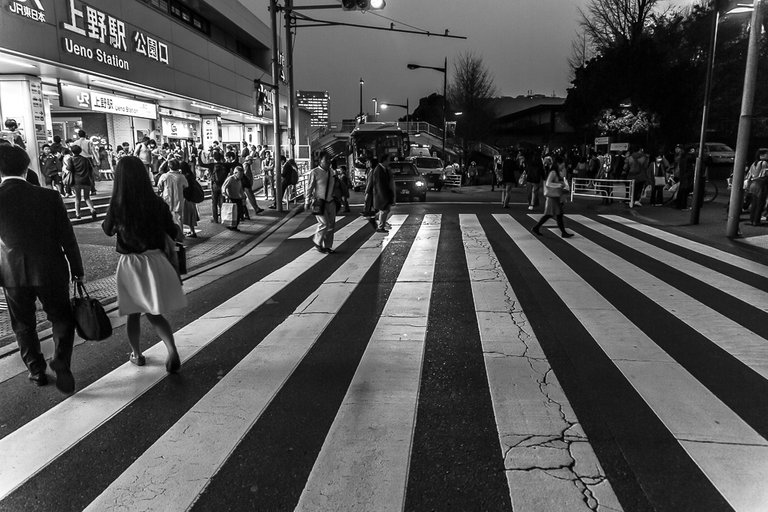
(620, 190)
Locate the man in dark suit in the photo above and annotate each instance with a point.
(38, 255)
(381, 187)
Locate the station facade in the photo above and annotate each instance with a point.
(176, 71)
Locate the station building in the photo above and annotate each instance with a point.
(183, 71)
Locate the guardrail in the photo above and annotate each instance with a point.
(452, 180)
(620, 190)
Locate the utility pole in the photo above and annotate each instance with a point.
(276, 105)
(445, 102)
(745, 122)
(292, 128)
(698, 177)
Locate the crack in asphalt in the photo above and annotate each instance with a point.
(564, 440)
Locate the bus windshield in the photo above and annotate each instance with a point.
(376, 141)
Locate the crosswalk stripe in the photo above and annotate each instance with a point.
(738, 289)
(732, 455)
(309, 231)
(193, 450)
(363, 463)
(726, 257)
(740, 342)
(70, 421)
(518, 373)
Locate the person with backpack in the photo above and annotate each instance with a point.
(638, 168)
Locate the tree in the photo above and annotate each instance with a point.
(662, 74)
(429, 110)
(611, 23)
(470, 93)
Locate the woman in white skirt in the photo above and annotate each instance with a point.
(146, 281)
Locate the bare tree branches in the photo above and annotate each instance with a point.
(611, 23)
(472, 83)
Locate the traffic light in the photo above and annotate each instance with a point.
(362, 5)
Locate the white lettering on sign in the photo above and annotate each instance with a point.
(150, 47)
(97, 24)
(74, 15)
(21, 8)
(117, 34)
(94, 24)
(98, 55)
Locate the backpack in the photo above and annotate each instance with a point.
(194, 192)
(294, 176)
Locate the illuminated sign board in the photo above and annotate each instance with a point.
(100, 27)
(80, 97)
(32, 9)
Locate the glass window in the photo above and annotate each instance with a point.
(428, 163)
(400, 169)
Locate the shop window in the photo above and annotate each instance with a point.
(159, 4)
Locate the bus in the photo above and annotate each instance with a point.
(371, 140)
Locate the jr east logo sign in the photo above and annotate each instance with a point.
(32, 9)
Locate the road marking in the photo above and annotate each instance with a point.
(738, 289)
(66, 424)
(363, 464)
(192, 451)
(740, 342)
(757, 241)
(309, 231)
(11, 366)
(529, 405)
(717, 254)
(692, 413)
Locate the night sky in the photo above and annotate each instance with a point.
(524, 43)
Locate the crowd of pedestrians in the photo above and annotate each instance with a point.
(154, 201)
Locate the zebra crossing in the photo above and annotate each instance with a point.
(623, 369)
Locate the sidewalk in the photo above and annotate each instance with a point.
(201, 252)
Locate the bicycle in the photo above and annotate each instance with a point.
(710, 190)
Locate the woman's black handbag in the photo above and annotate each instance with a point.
(91, 321)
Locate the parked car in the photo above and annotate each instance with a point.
(715, 153)
(431, 168)
(409, 183)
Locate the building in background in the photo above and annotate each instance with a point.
(318, 103)
(177, 71)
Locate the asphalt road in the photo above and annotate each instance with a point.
(458, 363)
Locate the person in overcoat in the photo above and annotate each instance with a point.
(381, 187)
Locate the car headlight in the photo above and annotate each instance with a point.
(419, 183)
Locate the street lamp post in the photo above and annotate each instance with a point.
(444, 71)
(697, 177)
(375, 109)
(407, 107)
(745, 123)
(362, 82)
